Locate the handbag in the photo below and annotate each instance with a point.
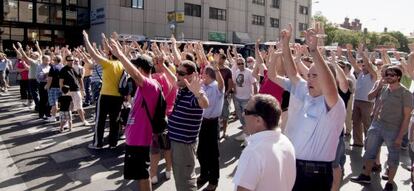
(162, 138)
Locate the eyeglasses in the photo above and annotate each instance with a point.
(248, 112)
(390, 75)
(240, 63)
(181, 73)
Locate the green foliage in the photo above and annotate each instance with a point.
(372, 39)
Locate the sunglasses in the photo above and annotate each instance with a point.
(181, 73)
(240, 63)
(248, 112)
(390, 75)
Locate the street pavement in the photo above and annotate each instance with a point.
(35, 156)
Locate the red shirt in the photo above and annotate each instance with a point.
(271, 88)
(20, 64)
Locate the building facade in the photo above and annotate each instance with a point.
(51, 22)
(236, 21)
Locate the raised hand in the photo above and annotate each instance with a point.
(195, 85)
(115, 49)
(349, 47)
(286, 34)
(311, 39)
(339, 52)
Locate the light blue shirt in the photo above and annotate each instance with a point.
(312, 128)
(215, 100)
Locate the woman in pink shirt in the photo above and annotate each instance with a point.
(167, 79)
(23, 68)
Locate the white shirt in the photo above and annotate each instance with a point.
(244, 81)
(364, 84)
(313, 129)
(267, 163)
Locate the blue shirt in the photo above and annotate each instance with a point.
(96, 73)
(312, 128)
(215, 99)
(185, 119)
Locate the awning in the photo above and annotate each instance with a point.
(241, 38)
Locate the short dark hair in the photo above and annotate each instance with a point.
(396, 70)
(69, 56)
(144, 62)
(189, 66)
(223, 56)
(65, 89)
(267, 107)
(190, 57)
(210, 72)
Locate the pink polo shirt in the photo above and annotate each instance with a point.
(169, 90)
(139, 131)
(271, 88)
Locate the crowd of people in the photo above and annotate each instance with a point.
(296, 105)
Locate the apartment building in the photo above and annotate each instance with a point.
(236, 21)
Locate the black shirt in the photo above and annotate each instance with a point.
(70, 78)
(64, 102)
(54, 73)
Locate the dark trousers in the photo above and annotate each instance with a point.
(313, 175)
(208, 151)
(96, 88)
(34, 91)
(107, 105)
(44, 108)
(24, 90)
(87, 86)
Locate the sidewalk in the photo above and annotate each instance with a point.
(35, 156)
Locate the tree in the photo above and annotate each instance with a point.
(387, 39)
(402, 40)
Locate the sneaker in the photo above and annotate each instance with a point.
(92, 146)
(51, 119)
(361, 179)
(167, 175)
(404, 147)
(85, 123)
(388, 186)
(385, 175)
(241, 137)
(154, 180)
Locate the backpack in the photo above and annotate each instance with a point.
(159, 119)
(123, 84)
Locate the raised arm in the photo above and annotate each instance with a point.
(97, 57)
(368, 64)
(325, 77)
(288, 62)
(129, 67)
(39, 49)
(352, 60)
(24, 55)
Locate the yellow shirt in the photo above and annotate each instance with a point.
(111, 75)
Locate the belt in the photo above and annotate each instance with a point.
(314, 167)
(210, 119)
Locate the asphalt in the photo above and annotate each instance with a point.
(35, 156)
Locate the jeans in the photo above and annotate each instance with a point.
(340, 153)
(376, 136)
(240, 105)
(87, 86)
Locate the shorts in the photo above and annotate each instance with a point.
(65, 116)
(137, 162)
(53, 95)
(225, 113)
(76, 100)
(376, 136)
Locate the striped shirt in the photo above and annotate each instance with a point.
(185, 120)
(96, 73)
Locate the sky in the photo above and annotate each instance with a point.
(396, 15)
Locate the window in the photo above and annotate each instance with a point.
(11, 10)
(25, 11)
(219, 14)
(303, 10)
(274, 23)
(258, 20)
(136, 4)
(276, 4)
(192, 10)
(259, 2)
(303, 26)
